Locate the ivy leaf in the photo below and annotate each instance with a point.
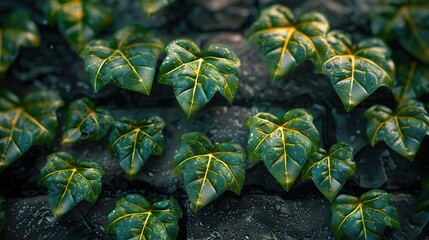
(69, 182)
(196, 76)
(25, 123)
(2, 215)
(135, 218)
(406, 21)
(78, 21)
(402, 130)
(285, 41)
(330, 171)
(363, 218)
(284, 145)
(128, 60)
(208, 170)
(85, 121)
(151, 7)
(17, 30)
(423, 199)
(134, 141)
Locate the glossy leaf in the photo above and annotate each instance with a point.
(330, 170)
(25, 123)
(196, 76)
(2, 215)
(283, 144)
(208, 170)
(85, 121)
(69, 182)
(403, 130)
(135, 218)
(16, 31)
(286, 41)
(151, 7)
(78, 20)
(128, 60)
(363, 218)
(134, 141)
(406, 21)
(423, 199)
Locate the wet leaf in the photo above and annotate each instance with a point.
(24, 123)
(78, 20)
(356, 72)
(151, 7)
(196, 76)
(134, 141)
(128, 60)
(330, 170)
(135, 218)
(85, 121)
(363, 218)
(423, 199)
(69, 182)
(208, 170)
(16, 31)
(286, 41)
(406, 21)
(402, 130)
(2, 215)
(284, 145)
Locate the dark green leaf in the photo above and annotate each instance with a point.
(69, 182)
(25, 123)
(151, 7)
(423, 199)
(402, 130)
(363, 218)
(134, 141)
(285, 41)
(196, 76)
(78, 21)
(406, 21)
(356, 72)
(135, 218)
(17, 30)
(330, 171)
(208, 170)
(128, 60)
(284, 145)
(2, 215)
(85, 121)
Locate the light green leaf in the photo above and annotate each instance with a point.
(286, 41)
(208, 170)
(69, 182)
(128, 60)
(25, 123)
(423, 199)
(284, 145)
(85, 121)
(330, 171)
(151, 7)
(196, 76)
(364, 218)
(135, 218)
(402, 130)
(2, 215)
(134, 141)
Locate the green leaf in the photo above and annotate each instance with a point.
(25, 123)
(363, 218)
(403, 130)
(134, 141)
(69, 182)
(128, 60)
(330, 171)
(406, 21)
(285, 41)
(196, 76)
(17, 30)
(2, 215)
(356, 72)
(284, 145)
(208, 170)
(85, 121)
(151, 7)
(78, 20)
(135, 218)
(423, 199)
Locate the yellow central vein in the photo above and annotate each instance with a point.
(286, 43)
(352, 78)
(200, 61)
(204, 180)
(65, 190)
(144, 226)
